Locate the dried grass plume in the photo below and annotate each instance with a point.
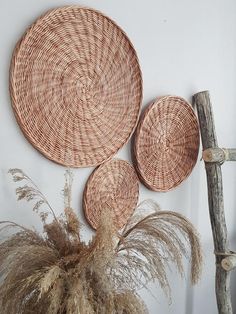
(57, 273)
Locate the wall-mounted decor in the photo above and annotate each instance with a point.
(76, 86)
(166, 143)
(113, 185)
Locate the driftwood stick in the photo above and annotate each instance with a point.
(215, 200)
(219, 154)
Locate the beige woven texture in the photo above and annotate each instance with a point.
(76, 86)
(113, 186)
(166, 143)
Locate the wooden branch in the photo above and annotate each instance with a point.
(219, 154)
(215, 200)
(229, 262)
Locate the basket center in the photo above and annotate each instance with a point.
(90, 103)
(82, 95)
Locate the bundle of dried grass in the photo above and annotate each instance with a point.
(56, 272)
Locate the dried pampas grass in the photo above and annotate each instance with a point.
(55, 272)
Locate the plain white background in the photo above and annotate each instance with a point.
(184, 47)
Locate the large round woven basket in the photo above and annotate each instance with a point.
(76, 86)
(166, 143)
(114, 187)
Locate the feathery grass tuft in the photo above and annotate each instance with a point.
(57, 273)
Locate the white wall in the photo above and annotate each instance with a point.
(184, 46)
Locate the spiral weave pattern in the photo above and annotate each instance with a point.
(166, 143)
(112, 186)
(76, 86)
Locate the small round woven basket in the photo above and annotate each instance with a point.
(166, 143)
(112, 186)
(76, 86)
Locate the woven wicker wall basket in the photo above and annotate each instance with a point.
(112, 186)
(76, 86)
(166, 143)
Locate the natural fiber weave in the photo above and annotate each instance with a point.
(166, 143)
(76, 86)
(114, 185)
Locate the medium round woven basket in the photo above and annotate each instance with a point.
(112, 186)
(76, 86)
(166, 143)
